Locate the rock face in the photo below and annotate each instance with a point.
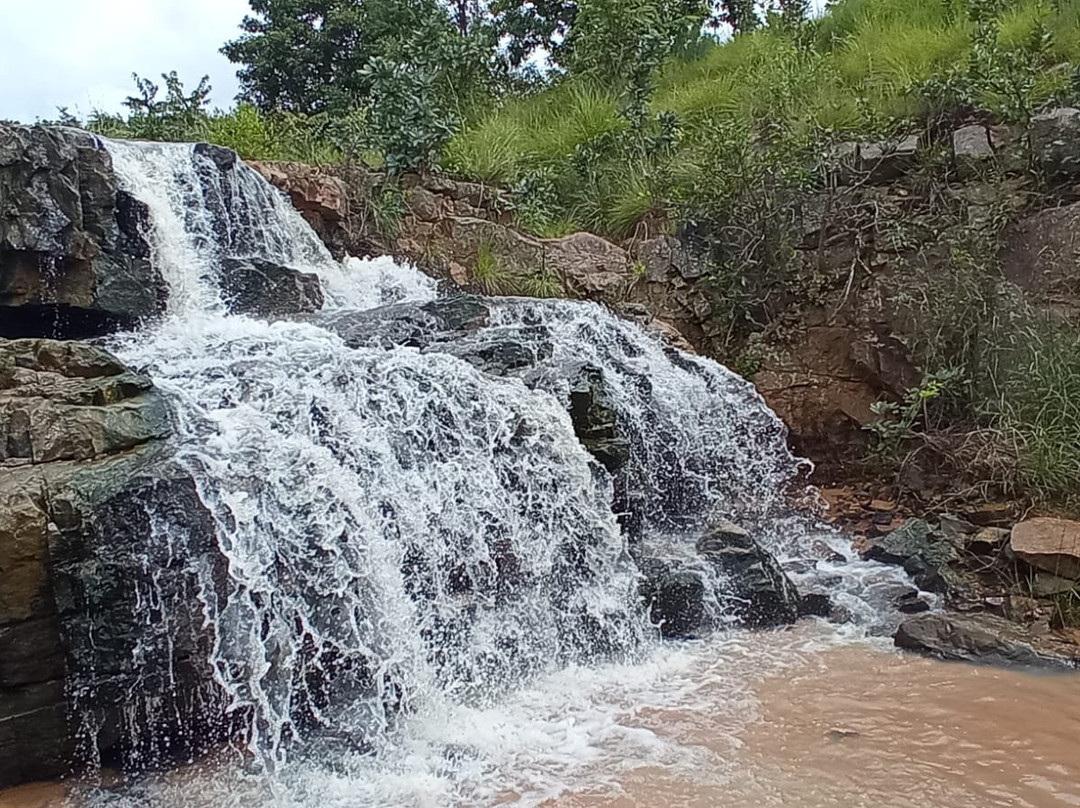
(1055, 141)
(81, 453)
(73, 261)
(1052, 545)
(763, 596)
(983, 639)
(1042, 257)
(262, 289)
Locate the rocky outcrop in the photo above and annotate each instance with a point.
(320, 197)
(1050, 545)
(761, 594)
(73, 261)
(984, 639)
(262, 289)
(82, 452)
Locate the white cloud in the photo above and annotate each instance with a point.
(81, 53)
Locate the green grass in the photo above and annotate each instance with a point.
(857, 74)
(1040, 403)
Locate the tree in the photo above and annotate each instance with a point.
(405, 68)
(623, 42)
(300, 55)
(551, 27)
(313, 55)
(532, 27)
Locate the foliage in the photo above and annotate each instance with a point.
(153, 118)
(896, 421)
(622, 43)
(406, 124)
(539, 26)
(406, 65)
(1039, 403)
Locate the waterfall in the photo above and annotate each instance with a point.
(405, 530)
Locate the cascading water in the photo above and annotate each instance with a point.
(406, 535)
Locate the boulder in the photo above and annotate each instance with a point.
(923, 553)
(762, 595)
(1052, 545)
(263, 289)
(73, 260)
(982, 638)
(1055, 141)
(972, 151)
(887, 160)
(675, 598)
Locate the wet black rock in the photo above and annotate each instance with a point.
(263, 289)
(984, 639)
(815, 604)
(675, 598)
(595, 419)
(102, 642)
(761, 594)
(73, 259)
(924, 554)
(415, 325)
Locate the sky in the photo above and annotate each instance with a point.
(81, 53)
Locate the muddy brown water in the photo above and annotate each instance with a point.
(837, 725)
(865, 726)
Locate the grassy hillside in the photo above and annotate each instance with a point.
(867, 68)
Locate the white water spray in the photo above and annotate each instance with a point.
(408, 537)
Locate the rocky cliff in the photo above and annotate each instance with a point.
(73, 260)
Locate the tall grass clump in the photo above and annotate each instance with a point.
(1039, 404)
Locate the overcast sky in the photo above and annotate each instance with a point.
(81, 53)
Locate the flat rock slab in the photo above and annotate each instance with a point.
(984, 639)
(1052, 545)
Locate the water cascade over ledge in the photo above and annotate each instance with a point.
(414, 525)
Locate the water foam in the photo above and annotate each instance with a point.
(428, 590)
